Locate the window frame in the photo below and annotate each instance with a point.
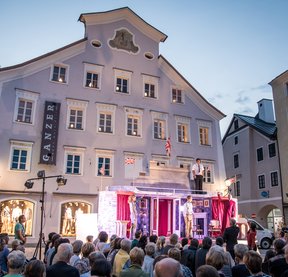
(93, 69)
(29, 97)
(272, 180)
(159, 117)
(202, 124)
(263, 182)
(106, 109)
(79, 151)
(175, 95)
(237, 188)
(160, 160)
(236, 140)
(208, 167)
(104, 154)
(258, 154)
(269, 149)
(236, 124)
(133, 113)
(236, 163)
(124, 75)
(150, 80)
(78, 105)
(184, 122)
(60, 65)
(23, 146)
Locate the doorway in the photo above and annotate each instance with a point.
(165, 217)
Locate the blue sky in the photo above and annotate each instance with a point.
(228, 50)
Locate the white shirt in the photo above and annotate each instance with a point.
(188, 208)
(196, 167)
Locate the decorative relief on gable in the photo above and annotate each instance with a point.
(124, 40)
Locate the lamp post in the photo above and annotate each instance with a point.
(61, 181)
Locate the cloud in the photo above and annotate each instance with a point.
(263, 88)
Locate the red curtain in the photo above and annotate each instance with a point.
(123, 211)
(163, 215)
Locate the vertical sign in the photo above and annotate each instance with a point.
(50, 133)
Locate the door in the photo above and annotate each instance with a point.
(165, 217)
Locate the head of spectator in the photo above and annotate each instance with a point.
(269, 254)
(15, 262)
(125, 245)
(216, 257)
(87, 248)
(173, 239)
(77, 245)
(50, 235)
(54, 238)
(60, 241)
(219, 241)
(35, 268)
(142, 242)
(101, 268)
(89, 238)
(159, 258)
(153, 238)
(138, 234)
(115, 244)
(168, 267)
(137, 256)
(15, 243)
(113, 237)
(279, 245)
(103, 236)
(21, 247)
(253, 262)
(232, 222)
(184, 242)
(95, 256)
(150, 249)
(206, 243)
(194, 243)
(175, 254)
(207, 271)
(160, 242)
(4, 237)
(65, 252)
(240, 250)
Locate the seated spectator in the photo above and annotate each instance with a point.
(101, 268)
(240, 269)
(135, 241)
(277, 265)
(269, 254)
(121, 257)
(61, 268)
(175, 254)
(173, 240)
(147, 266)
(207, 271)
(168, 267)
(160, 246)
(201, 253)
(136, 258)
(35, 268)
(216, 258)
(83, 264)
(77, 244)
(15, 263)
(253, 261)
(188, 255)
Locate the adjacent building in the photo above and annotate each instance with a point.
(99, 112)
(280, 97)
(251, 157)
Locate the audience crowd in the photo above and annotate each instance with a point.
(144, 256)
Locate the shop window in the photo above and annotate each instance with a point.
(10, 211)
(69, 213)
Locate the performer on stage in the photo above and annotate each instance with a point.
(198, 171)
(133, 215)
(19, 229)
(188, 216)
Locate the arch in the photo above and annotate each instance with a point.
(267, 219)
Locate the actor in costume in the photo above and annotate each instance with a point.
(198, 172)
(133, 214)
(188, 216)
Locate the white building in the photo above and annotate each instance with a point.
(90, 108)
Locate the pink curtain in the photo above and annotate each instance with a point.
(123, 211)
(163, 215)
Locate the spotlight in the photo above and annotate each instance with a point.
(61, 181)
(29, 184)
(41, 174)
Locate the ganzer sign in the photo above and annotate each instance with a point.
(50, 133)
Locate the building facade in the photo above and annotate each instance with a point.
(252, 163)
(101, 112)
(280, 98)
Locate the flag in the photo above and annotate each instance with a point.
(102, 170)
(168, 147)
(129, 161)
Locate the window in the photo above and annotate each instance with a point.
(74, 157)
(20, 155)
(177, 96)
(236, 124)
(106, 118)
(122, 81)
(272, 150)
(236, 161)
(59, 73)
(237, 188)
(274, 179)
(133, 163)
(150, 86)
(236, 140)
(159, 125)
(76, 114)
(133, 122)
(92, 78)
(160, 160)
(208, 172)
(260, 154)
(204, 130)
(183, 129)
(25, 106)
(104, 162)
(261, 181)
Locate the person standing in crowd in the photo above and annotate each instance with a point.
(4, 252)
(201, 253)
(121, 257)
(19, 229)
(198, 172)
(189, 255)
(230, 237)
(133, 214)
(240, 269)
(35, 268)
(188, 216)
(16, 261)
(135, 241)
(251, 237)
(253, 262)
(168, 267)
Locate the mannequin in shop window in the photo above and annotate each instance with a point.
(133, 214)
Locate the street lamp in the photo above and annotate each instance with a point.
(61, 181)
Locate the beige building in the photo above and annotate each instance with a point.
(280, 96)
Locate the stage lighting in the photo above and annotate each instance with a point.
(61, 181)
(29, 184)
(41, 174)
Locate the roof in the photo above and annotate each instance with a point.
(267, 129)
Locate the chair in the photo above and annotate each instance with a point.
(214, 228)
